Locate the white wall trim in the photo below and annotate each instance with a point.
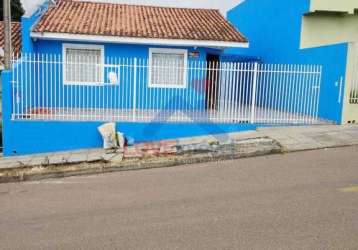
(168, 51)
(82, 46)
(136, 40)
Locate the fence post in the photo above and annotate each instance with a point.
(134, 89)
(254, 88)
(8, 133)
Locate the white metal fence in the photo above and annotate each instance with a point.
(353, 97)
(214, 92)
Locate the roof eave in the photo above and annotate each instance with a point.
(137, 40)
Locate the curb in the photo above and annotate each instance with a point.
(215, 152)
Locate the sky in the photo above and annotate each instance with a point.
(223, 5)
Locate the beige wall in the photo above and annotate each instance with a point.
(319, 30)
(334, 5)
(350, 111)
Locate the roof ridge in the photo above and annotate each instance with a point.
(90, 17)
(136, 5)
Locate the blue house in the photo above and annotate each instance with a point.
(157, 72)
(308, 32)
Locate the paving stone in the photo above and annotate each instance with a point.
(168, 144)
(147, 146)
(133, 156)
(109, 156)
(118, 158)
(37, 161)
(133, 152)
(198, 147)
(77, 157)
(168, 150)
(58, 159)
(197, 140)
(24, 160)
(45, 161)
(93, 156)
(152, 153)
(10, 164)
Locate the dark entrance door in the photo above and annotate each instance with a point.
(212, 81)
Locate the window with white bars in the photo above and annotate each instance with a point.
(168, 68)
(83, 64)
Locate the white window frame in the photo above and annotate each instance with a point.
(66, 46)
(168, 51)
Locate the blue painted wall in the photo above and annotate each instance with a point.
(26, 25)
(28, 137)
(273, 28)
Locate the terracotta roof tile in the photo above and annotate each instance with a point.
(15, 37)
(109, 19)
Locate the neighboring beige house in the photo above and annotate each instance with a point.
(348, 6)
(330, 22)
(333, 22)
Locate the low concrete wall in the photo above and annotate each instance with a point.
(27, 137)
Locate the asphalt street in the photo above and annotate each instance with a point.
(305, 200)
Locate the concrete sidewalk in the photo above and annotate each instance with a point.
(312, 137)
(178, 152)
